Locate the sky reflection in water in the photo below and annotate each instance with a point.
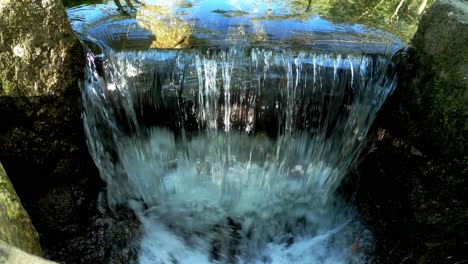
(224, 23)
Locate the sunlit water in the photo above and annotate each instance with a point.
(232, 154)
(273, 24)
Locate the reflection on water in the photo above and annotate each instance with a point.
(399, 17)
(183, 24)
(164, 20)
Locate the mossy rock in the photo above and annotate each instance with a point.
(437, 96)
(13, 255)
(15, 226)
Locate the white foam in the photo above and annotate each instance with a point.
(224, 195)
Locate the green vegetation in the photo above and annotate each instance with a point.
(8, 88)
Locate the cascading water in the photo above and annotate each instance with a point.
(233, 154)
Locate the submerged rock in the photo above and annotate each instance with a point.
(15, 226)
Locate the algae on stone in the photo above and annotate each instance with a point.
(15, 226)
(411, 187)
(438, 95)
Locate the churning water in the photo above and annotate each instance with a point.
(233, 154)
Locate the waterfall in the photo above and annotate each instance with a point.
(233, 155)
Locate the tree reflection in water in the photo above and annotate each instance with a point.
(128, 3)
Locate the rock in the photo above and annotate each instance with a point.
(411, 188)
(38, 48)
(110, 238)
(43, 147)
(12, 255)
(437, 89)
(42, 142)
(15, 226)
(41, 59)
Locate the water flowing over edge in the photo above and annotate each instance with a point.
(233, 155)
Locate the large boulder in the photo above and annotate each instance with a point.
(38, 48)
(411, 188)
(42, 142)
(437, 90)
(15, 226)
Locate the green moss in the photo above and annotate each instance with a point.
(445, 107)
(443, 102)
(8, 88)
(15, 226)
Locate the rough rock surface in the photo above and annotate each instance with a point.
(437, 94)
(107, 238)
(42, 142)
(38, 48)
(13, 255)
(411, 187)
(15, 226)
